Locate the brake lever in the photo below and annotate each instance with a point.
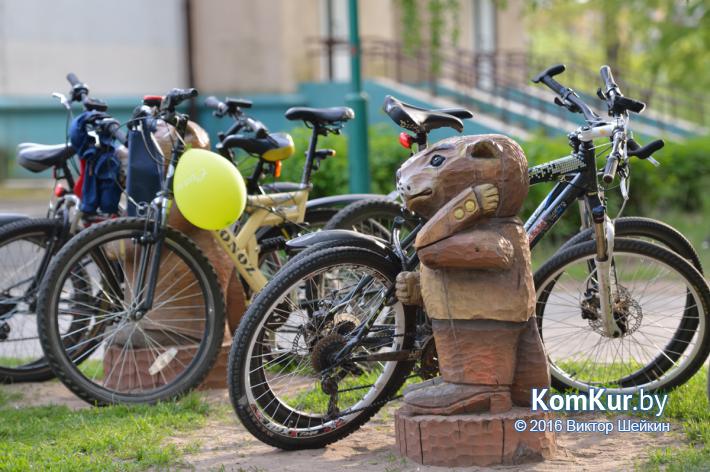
(624, 187)
(62, 99)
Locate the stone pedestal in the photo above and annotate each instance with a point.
(473, 439)
(217, 378)
(135, 375)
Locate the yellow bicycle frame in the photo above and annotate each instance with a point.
(263, 210)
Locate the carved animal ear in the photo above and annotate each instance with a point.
(485, 148)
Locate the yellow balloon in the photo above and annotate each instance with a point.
(209, 191)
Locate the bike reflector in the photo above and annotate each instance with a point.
(406, 140)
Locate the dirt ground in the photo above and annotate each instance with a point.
(224, 444)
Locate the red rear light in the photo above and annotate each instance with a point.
(59, 191)
(406, 140)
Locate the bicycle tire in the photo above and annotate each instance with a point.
(239, 360)
(38, 231)
(358, 213)
(65, 369)
(635, 226)
(548, 274)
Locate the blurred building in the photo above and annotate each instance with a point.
(134, 47)
(280, 53)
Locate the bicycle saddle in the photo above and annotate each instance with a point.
(274, 147)
(40, 157)
(421, 120)
(320, 115)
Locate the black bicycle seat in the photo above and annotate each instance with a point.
(320, 115)
(420, 120)
(40, 157)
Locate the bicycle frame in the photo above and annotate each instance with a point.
(576, 177)
(242, 247)
(264, 210)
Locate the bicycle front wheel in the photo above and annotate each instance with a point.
(660, 304)
(120, 354)
(287, 383)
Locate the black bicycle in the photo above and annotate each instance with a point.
(320, 351)
(27, 245)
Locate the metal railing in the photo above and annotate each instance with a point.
(504, 75)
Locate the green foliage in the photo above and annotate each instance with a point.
(650, 42)
(676, 186)
(386, 155)
(435, 23)
(112, 438)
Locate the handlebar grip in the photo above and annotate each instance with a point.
(214, 103)
(607, 78)
(610, 169)
(549, 72)
(633, 148)
(120, 136)
(73, 79)
(175, 97)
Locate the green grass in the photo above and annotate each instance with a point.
(15, 361)
(687, 406)
(8, 397)
(112, 438)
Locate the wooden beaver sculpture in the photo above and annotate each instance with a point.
(475, 279)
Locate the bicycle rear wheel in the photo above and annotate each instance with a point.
(118, 354)
(646, 229)
(284, 382)
(372, 216)
(661, 304)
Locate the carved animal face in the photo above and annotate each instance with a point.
(432, 177)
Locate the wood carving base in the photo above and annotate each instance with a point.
(473, 440)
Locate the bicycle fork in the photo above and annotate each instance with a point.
(150, 259)
(604, 235)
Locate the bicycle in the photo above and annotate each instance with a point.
(377, 216)
(28, 245)
(320, 351)
(179, 334)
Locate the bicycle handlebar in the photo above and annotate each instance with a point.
(615, 100)
(175, 97)
(217, 105)
(567, 97)
(73, 79)
(608, 79)
(80, 93)
(643, 152)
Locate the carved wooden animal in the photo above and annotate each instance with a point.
(475, 280)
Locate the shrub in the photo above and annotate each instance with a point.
(677, 186)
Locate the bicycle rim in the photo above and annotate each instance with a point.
(289, 345)
(662, 314)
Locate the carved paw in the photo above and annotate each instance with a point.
(489, 197)
(408, 288)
